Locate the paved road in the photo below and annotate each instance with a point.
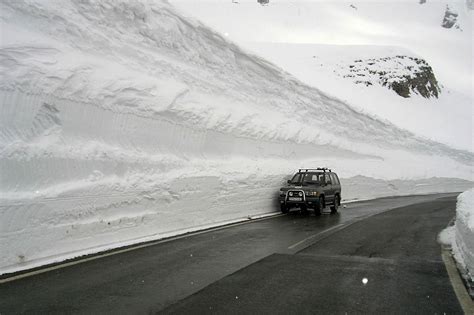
(287, 264)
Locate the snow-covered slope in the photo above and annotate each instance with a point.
(123, 121)
(350, 49)
(348, 72)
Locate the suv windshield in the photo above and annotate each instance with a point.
(307, 178)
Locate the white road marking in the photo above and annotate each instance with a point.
(313, 236)
(347, 224)
(459, 289)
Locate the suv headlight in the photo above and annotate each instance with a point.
(312, 193)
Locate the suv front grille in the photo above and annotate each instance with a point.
(296, 193)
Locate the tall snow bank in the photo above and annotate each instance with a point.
(463, 243)
(460, 236)
(123, 121)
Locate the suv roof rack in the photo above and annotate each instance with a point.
(324, 169)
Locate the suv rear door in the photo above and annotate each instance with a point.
(336, 184)
(329, 189)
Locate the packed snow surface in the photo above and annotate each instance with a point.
(123, 121)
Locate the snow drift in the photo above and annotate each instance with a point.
(125, 121)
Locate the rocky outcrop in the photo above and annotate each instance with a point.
(450, 18)
(404, 75)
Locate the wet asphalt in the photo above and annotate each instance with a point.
(287, 264)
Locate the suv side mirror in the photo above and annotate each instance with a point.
(288, 181)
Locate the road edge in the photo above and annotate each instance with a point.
(456, 282)
(17, 275)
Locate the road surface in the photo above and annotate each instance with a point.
(378, 256)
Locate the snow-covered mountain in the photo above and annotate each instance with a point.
(124, 121)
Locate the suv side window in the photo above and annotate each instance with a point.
(334, 178)
(327, 179)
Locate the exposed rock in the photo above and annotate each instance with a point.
(450, 18)
(403, 74)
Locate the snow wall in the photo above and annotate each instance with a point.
(463, 243)
(123, 122)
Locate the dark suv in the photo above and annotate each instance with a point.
(311, 188)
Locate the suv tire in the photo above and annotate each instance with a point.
(319, 206)
(284, 209)
(336, 204)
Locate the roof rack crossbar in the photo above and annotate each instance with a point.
(324, 169)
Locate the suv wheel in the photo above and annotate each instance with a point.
(319, 206)
(284, 208)
(336, 204)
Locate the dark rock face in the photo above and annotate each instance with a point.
(450, 18)
(422, 81)
(403, 74)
